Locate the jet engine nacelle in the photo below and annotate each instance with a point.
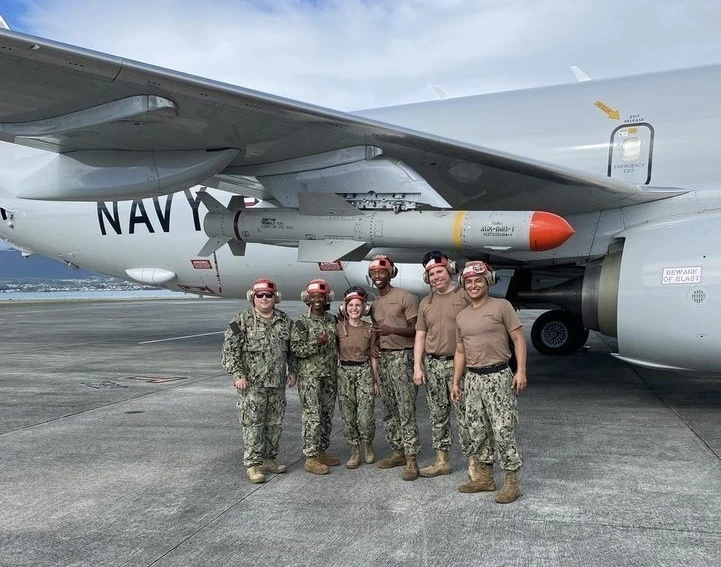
(659, 293)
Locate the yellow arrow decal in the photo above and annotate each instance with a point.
(612, 113)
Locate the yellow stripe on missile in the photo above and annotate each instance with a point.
(457, 230)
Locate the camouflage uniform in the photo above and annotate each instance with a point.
(317, 379)
(492, 407)
(398, 393)
(355, 399)
(257, 349)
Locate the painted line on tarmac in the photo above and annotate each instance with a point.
(180, 338)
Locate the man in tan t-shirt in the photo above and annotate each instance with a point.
(433, 354)
(394, 315)
(490, 388)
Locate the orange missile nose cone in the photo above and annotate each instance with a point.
(548, 231)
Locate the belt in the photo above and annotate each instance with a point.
(353, 362)
(440, 356)
(488, 369)
(395, 349)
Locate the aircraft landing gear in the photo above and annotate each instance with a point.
(558, 332)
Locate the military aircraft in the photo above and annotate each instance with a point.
(599, 199)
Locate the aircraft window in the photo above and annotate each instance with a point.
(631, 148)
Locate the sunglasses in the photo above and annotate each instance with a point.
(265, 295)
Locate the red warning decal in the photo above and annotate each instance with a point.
(330, 266)
(202, 264)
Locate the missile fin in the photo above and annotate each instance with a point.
(331, 250)
(213, 244)
(211, 203)
(237, 248)
(237, 203)
(326, 204)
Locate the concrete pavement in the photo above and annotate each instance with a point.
(119, 445)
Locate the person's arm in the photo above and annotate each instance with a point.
(385, 330)
(374, 370)
(520, 381)
(231, 357)
(301, 343)
(459, 368)
(419, 349)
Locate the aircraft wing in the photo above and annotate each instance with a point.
(89, 106)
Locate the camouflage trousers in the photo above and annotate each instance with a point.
(492, 410)
(439, 377)
(355, 399)
(317, 399)
(261, 412)
(399, 398)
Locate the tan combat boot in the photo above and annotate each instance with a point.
(411, 470)
(480, 478)
(440, 466)
(397, 459)
(313, 465)
(328, 460)
(254, 475)
(370, 455)
(273, 466)
(354, 461)
(510, 490)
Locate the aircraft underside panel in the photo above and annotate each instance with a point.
(669, 300)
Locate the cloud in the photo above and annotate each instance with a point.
(354, 54)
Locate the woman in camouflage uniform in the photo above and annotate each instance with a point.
(357, 376)
(314, 344)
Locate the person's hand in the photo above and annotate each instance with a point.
(241, 383)
(419, 377)
(455, 393)
(291, 380)
(321, 338)
(382, 330)
(376, 389)
(519, 382)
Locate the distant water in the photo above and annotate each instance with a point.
(94, 294)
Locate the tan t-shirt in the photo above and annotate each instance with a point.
(484, 331)
(395, 309)
(354, 342)
(437, 317)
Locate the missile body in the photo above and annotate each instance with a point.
(336, 237)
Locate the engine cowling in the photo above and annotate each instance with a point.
(659, 293)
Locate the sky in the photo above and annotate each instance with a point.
(354, 54)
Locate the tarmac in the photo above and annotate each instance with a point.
(120, 446)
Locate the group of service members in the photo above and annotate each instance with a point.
(456, 343)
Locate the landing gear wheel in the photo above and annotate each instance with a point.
(558, 332)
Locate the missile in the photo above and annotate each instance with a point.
(349, 234)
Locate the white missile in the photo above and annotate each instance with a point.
(348, 233)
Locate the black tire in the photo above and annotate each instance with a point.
(558, 332)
